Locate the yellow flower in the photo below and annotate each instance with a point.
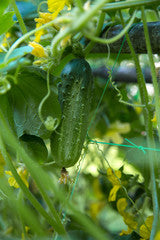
(126, 232)
(95, 208)
(114, 177)
(44, 18)
(115, 130)
(97, 190)
(39, 33)
(121, 205)
(113, 193)
(26, 231)
(138, 110)
(145, 229)
(22, 173)
(5, 41)
(129, 221)
(154, 120)
(157, 237)
(55, 6)
(38, 49)
(127, 217)
(2, 163)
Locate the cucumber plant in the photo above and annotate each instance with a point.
(30, 113)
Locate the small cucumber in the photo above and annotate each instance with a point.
(75, 96)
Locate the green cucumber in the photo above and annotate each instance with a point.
(75, 96)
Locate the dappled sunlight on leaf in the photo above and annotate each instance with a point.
(115, 130)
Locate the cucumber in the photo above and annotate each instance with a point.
(75, 97)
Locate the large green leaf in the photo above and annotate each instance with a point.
(14, 58)
(26, 97)
(35, 147)
(6, 109)
(6, 22)
(3, 5)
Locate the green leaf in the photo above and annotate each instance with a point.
(13, 64)
(26, 97)
(35, 147)
(6, 22)
(6, 108)
(3, 5)
(151, 15)
(16, 54)
(19, 52)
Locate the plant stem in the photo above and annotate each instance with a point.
(127, 4)
(84, 18)
(115, 38)
(157, 106)
(40, 4)
(153, 70)
(26, 191)
(76, 25)
(24, 37)
(35, 171)
(9, 137)
(149, 129)
(20, 200)
(87, 224)
(55, 120)
(60, 36)
(81, 22)
(98, 31)
(19, 17)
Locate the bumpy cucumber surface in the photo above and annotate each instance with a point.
(75, 96)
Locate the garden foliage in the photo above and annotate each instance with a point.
(79, 152)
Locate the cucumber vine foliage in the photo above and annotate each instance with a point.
(52, 117)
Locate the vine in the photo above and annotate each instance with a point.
(149, 130)
(72, 29)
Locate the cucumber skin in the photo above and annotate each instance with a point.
(75, 96)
